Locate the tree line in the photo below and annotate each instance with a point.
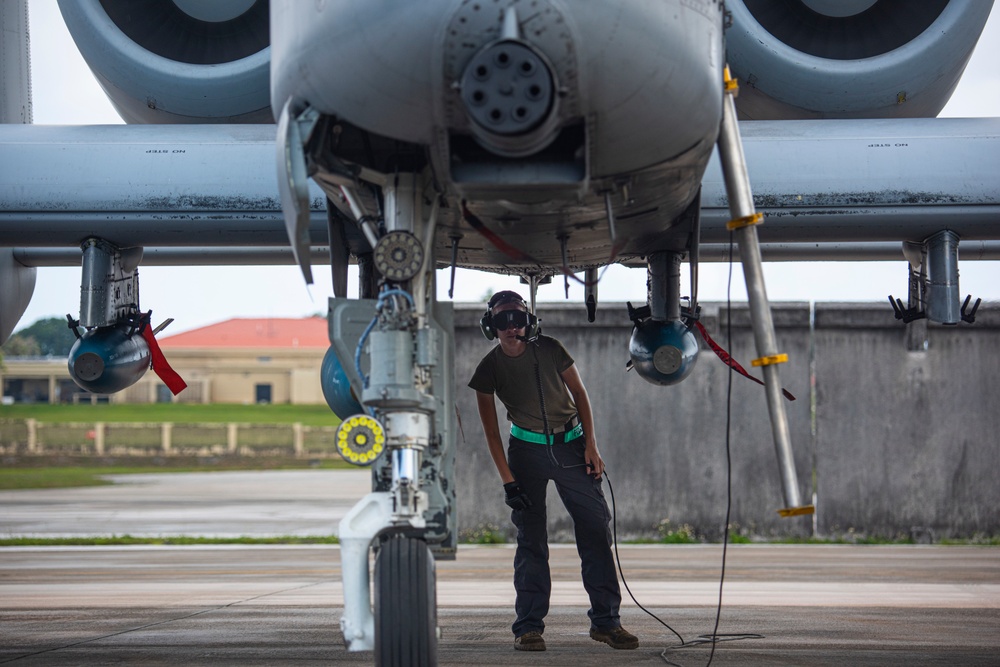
(50, 336)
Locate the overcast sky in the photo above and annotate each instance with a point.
(65, 93)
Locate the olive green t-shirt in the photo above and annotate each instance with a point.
(513, 380)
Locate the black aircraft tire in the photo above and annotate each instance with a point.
(405, 605)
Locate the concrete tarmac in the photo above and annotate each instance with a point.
(216, 504)
(224, 605)
(243, 605)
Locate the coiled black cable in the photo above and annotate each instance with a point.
(715, 637)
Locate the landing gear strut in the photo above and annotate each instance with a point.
(397, 352)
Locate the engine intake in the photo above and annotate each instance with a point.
(799, 59)
(177, 61)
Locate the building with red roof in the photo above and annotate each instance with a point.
(244, 360)
(241, 360)
(245, 332)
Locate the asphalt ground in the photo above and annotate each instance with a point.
(235, 605)
(252, 605)
(216, 504)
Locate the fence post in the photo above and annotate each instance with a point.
(32, 434)
(99, 438)
(299, 439)
(231, 437)
(166, 430)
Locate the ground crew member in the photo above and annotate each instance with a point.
(552, 437)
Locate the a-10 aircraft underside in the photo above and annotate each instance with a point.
(527, 137)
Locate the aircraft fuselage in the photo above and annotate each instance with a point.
(531, 115)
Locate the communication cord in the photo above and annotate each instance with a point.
(541, 392)
(713, 638)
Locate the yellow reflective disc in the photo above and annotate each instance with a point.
(360, 439)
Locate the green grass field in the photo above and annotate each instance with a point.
(45, 472)
(308, 415)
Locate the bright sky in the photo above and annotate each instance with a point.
(65, 93)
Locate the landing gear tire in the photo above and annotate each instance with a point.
(405, 605)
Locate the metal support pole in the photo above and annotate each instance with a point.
(166, 437)
(944, 303)
(32, 426)
(98, 436)
(916, 330)
(402, 204)
(590, 293)
(533, 282)
(656, 286)
(663, 286)
(741, 208)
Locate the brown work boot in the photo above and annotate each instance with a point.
(615, 637)
(530, 641)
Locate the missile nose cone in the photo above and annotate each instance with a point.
(89, 366)
(663, 353)
(667, 359)
(107, 359)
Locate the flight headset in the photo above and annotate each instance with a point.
(531, 331)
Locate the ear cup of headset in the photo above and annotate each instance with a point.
(532, 330)
(486, 326)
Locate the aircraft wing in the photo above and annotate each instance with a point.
(204, 194)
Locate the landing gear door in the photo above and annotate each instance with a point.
(348, 319)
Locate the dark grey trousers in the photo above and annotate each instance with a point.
(533, 465)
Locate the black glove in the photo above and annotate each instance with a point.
(515, 497)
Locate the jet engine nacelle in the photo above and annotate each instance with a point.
(180, 61)
(105, 360)
(663, 353)
(337, 387)
(798, 59)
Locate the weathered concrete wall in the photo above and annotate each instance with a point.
(907, 439)
(901, 439)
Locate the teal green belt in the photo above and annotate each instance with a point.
(541, 438)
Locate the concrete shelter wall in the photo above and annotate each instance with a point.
(900, 440)
(907, 440)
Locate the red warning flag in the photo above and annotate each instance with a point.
(729, 361)
(161, 366)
